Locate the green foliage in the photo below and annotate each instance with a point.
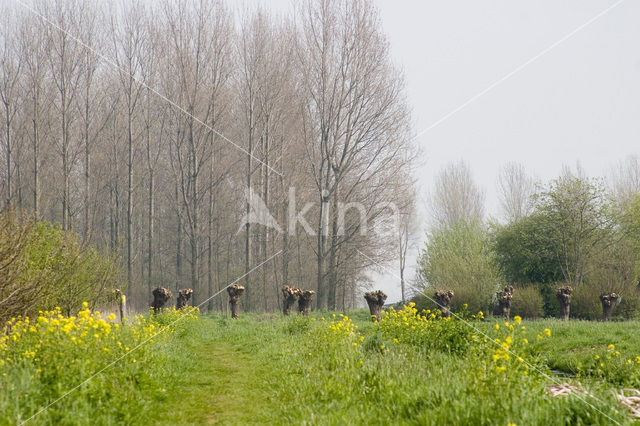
(550, 304)
(527, 302)
(586, 305)
(48, 267)
(523, 252)
(426, 329)
(460, 258)
(576, 236)
(577, 219)
(297, 324)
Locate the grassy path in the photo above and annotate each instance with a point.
(217, 382)
(264, 369)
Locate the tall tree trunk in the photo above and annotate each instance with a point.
(65, 168)
(8, 148)
(210, 287)
(333, 273)
(36, 165)
(87, 174)
(150, 230)
(178, 244)
(129, 194)
(247, 245)
(322, 237)
(265, 198)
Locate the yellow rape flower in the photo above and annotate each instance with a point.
(547, 332)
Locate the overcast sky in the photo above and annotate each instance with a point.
(577, 102)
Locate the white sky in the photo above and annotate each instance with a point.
(579, 102)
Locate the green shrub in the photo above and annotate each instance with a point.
(629, 307)
(527, 302)
(550, 303)
(297, 324)
(585, 303)
(45, 267)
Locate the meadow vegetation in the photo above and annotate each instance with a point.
(410, 368)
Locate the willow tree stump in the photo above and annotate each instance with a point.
(160, 297)
(121, 299)
(304, 301)
(375, 300)
(235, 291)
(564, 297)
(289, 295)
(443, 300)
(609, 300)
(184, 295)
(504, 301)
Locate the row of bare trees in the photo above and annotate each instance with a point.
(158, 129)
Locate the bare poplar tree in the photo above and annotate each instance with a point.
(130, 47)
(624, 178)
(456, 196)
(198, 46)
(34, 48)
(355, 116)
(65, 63)
(10, 71)
(91, 122)
(515, 190)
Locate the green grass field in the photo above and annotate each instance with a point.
(266, 369)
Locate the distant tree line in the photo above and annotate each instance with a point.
(573, 231)
(151, 129)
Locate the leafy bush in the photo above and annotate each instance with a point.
(527, 302)
(629, 307)
(585, 304)
(297, 324)
(550, 303)
(460, 258)
(42, 266)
